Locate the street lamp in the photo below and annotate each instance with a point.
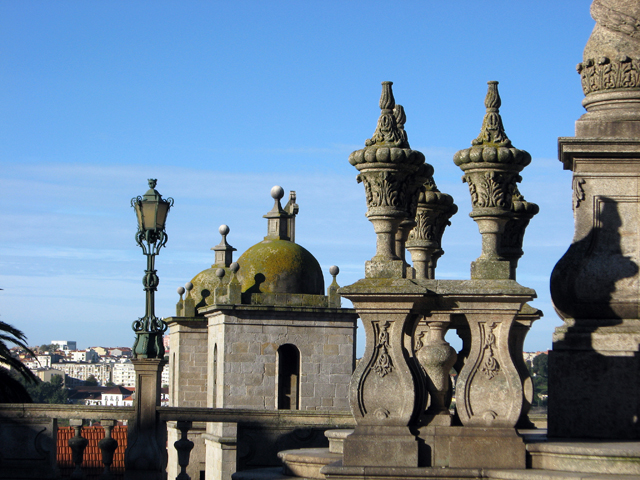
(151, 211)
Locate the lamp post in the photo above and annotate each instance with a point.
(151, 210)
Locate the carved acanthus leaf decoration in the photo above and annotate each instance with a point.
(390, 129)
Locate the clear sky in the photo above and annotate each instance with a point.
(222, 100)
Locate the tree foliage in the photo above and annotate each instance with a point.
(49, 392)
(11, 389)
(91, 381)
(540, 375)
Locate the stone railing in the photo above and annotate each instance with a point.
(236, 439)
(28, 437)
(225, 440)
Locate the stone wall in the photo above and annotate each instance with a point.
(247, 343)
(188, 362)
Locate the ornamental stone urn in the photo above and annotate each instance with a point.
(433, 212)
(392, 174)
(491, 169)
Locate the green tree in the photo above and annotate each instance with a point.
(539, 374)
(49, 392)
(541, 365)
(11, 389)
(91, 381)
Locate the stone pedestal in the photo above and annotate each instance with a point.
(489, 388)
(594, 366)
(146, 454)
(470, 447)
(386, 392)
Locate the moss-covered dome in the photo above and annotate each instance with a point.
(204, 285)
(280, 266)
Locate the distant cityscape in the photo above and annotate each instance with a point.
(94, 376)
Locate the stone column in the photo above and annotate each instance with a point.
(146, 454)
(594, 366)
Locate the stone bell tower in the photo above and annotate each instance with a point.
(594, 367)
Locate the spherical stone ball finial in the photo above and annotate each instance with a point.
(234, 267)
(334, 270)
(277, 192)
(220, 273)
(188, 286)
(223, 229)
(181, 291)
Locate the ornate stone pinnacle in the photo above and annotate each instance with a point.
(390, 129)
(492, 131)
(392, 175)
(492, 169)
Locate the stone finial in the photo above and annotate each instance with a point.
(617, 29)
(180, 304)
(392, 174)
(277, 217)
(425, 239)
(235, 295)
(491, 168)
(492, 129)
(189, 308)
(292, 209)
(390, 129)
(513, 235)
(332, 291)
(611, 55)
(223, 251)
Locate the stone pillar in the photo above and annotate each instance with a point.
(594, 366)
(221, 442)
(146, 455)
(386, 393)
(489, 389)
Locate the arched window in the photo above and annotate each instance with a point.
(288, 364)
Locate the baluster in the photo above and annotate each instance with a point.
(184, 447)
(77, 444)
(436, 357)
(108, 446)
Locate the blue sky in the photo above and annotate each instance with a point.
(222, 100)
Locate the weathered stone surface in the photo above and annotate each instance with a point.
(617, 30)
(595, 289)
(607, 458)
(491, 168)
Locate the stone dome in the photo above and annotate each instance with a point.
(280, 266)
(204, 285)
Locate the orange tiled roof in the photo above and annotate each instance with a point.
(92, 459)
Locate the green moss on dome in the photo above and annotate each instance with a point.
(280, 266)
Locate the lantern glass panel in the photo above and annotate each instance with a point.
(161, 218)
(149, 215)
(139, 215)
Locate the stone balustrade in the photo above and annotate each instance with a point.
(28, 438)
